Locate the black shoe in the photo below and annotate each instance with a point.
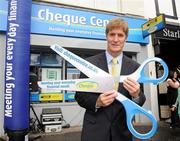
(172, 126)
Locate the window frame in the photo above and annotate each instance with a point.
(174, 16)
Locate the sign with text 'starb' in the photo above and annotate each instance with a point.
(170, 32)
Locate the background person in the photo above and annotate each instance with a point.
(172, 91)
(105, 117)
(176, 105)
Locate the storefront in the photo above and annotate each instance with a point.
(80, 31)
(166, 44)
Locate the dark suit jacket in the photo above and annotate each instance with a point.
(107, 122)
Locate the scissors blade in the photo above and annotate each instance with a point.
(84, 66)
(95, 84)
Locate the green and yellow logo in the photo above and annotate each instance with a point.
(86, 85)
(71, 96)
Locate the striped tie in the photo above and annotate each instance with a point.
(115, 72)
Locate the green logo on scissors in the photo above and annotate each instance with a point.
(86, 85)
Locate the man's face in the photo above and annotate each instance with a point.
(115, 41)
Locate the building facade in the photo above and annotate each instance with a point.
(79, 27)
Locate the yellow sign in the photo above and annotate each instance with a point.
(51, 97)
(86, 85)
(153, 22)
(153, 25)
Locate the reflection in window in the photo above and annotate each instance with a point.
(35, 59)
(72, 73)
(51, 60)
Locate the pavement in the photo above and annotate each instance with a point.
(164, 133)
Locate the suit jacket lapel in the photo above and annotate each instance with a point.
(102, 62)
(125, 66)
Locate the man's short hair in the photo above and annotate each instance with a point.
(116, 24)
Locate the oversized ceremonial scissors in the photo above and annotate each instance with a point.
(101, 81)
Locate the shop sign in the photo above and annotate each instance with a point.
(153, 25)
(60, 21)
(171, 32)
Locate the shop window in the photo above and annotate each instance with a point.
(48, 68)
(71, 73)
(51, 60)
(35, 60)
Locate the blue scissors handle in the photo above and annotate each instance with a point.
(145, 79)
(131, 110)
(140, 76)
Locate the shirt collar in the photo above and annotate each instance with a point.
(109, 57)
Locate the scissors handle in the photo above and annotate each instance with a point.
(140, 76)
(144, 79)
(131, 110)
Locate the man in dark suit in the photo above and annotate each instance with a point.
(105, 117)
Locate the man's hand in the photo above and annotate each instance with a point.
(132, 87)
(106, 98)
